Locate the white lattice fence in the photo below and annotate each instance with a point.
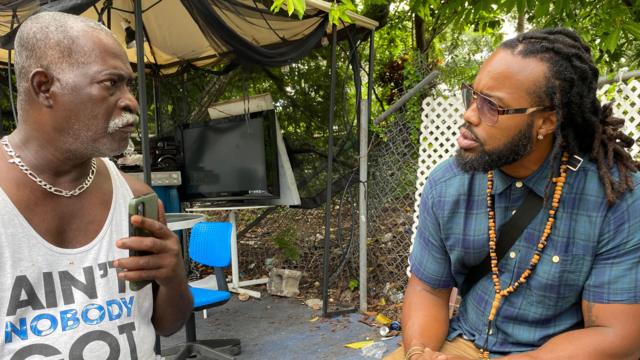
(626, 100)
(441, 117)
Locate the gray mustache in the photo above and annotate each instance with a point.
(125, 119)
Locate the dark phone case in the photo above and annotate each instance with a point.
(147, 206)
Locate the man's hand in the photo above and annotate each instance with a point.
(450, 357)
(435, 355)
(164, 264)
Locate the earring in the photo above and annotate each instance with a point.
(540, 136)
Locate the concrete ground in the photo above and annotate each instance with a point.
(280, 328)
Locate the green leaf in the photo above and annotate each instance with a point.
(301, 6)
(334, 14)
(508, 5)
(349, 5)
(353, 284)
(563, 6)
(633, 28)
(531, 4)
(290, 7)
(542, 9)
(611, 40)
(277, 4)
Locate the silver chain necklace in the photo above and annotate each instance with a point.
(15, 159)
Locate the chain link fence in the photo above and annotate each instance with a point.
(402, 152)
(293, 238)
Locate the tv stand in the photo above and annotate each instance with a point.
(231, 204)
(236, 285)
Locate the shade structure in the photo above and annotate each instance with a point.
(199, 33)
(206, 32)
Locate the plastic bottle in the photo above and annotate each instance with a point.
(392, 330)
(395, 326)
(374, 350)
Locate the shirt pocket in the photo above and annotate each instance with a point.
(557, 281)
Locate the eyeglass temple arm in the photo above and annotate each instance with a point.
(523, 110)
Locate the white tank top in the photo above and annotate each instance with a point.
(68, 303)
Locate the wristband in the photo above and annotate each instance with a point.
(414, 351)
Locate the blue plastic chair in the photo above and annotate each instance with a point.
(209, 244)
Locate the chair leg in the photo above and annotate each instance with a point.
(191, 350)
(156, 347)
(190, 328)
(219, 349)
(230, 346)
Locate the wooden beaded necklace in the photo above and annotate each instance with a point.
(495, 276)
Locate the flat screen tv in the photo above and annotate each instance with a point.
(230, 159)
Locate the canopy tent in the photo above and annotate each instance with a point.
(200, 33)
(207, 32)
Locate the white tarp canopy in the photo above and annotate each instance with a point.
(204, 32)
(178, 32)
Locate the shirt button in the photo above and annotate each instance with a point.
(513, 212)
(555, 259)
(519, 184)
(512, 254)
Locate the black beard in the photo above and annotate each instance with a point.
(519, 146)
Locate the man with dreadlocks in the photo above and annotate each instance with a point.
(568, 287)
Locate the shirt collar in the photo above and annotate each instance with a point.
(536, 181)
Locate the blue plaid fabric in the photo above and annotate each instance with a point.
(593, 252)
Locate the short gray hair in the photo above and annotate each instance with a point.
(49, 40)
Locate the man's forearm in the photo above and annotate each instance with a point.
(597, 343)
(425, 315)
(171, 308)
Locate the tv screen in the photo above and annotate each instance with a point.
(234, 158)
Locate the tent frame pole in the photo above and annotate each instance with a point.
(142, 109)
(142, 92)
(365, 120)
(328, 205)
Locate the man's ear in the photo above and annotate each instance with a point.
(41, 82)
(548, 123)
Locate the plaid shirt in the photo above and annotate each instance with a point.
(593, 252)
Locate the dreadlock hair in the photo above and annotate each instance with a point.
(585, 127)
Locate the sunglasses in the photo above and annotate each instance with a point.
(488, 110)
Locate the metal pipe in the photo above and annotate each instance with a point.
(109, 15)
(156, 98)
(328, 204)
(11, 98)
(365, 118)
(142, 92)
(603, 80)
(408, 95)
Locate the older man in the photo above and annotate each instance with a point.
(568, 286)
(64, 219)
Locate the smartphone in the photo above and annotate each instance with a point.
(147, 206)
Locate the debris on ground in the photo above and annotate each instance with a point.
(315, 304)
(382, 320)
(359, 344)
(374, 350)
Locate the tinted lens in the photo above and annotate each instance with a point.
(487, 110)
(467, 95)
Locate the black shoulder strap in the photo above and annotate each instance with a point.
(507, 235)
